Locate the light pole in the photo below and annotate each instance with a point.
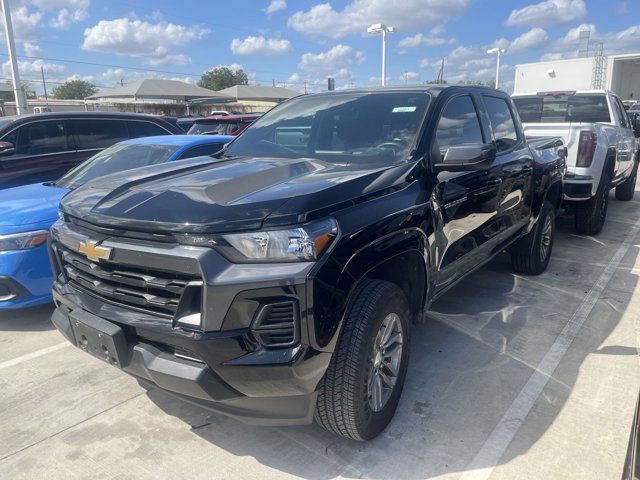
(498, 51)
(381, 28)
(21, 105)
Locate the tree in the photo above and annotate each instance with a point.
(223, 77)
(74, 90)
(7, 96)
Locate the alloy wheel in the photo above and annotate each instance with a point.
(384, 362)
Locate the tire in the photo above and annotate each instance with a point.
(345, 403)
(591, 215)
(625, 191)
(530, 256)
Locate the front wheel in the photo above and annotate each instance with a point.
(362, 385)
(531, 254)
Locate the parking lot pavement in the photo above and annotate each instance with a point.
(511, 377)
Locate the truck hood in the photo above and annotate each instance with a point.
(29, 204)
(229, 195)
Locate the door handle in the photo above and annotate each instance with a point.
(494, 182)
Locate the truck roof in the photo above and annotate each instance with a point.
(567, 92)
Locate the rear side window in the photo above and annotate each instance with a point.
(502, 122)
(200, 150)
(40, 138)
(95, 133)
(563, 109)
(145, 129)
(458, 124)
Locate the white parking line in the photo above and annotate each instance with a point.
(485, 461)
(32, 355)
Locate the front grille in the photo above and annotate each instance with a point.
(144, 289)
(276, 324)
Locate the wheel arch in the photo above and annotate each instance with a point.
(401, 258)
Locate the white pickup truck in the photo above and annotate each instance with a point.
(602, 147)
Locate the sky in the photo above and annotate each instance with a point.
(299, 43)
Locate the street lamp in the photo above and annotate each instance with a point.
(498, 52)
(380, 28)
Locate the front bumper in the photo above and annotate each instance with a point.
(278, 387)
(223, 365)
(25, 278)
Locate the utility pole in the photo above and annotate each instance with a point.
(305, 86)
(21, 104)
(44, 85)
(122, 82)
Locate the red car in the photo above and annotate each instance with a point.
(222, 125)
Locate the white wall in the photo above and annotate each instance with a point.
(626, 78)
(574, 74)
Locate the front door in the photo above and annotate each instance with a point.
(465, 203)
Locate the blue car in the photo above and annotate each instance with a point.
(29, 210)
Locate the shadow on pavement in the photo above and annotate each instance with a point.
(27, 319)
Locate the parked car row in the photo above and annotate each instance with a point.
(30, 210)
(39, 148)
(277, 281)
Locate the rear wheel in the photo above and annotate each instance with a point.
(626, 189)
(590, 215)
(361, 388)
(532, 253)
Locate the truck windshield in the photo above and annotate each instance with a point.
(563, 109)
(339, 127)
(114, 159)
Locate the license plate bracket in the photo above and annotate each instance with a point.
(100, 338)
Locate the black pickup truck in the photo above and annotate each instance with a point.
(279, 281)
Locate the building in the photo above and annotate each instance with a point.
(619, 73)
(256, 98)
(157, 96)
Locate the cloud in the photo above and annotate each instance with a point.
(68, 11)
(527, 41)
(25, 24)
(322, 19)
(66, 17)
(275, 6)
(29, 67)
(260, 46)
(431, 40)
(31, 49)
(153, 42)
(334, 60)
(549, 12)
(622, 41)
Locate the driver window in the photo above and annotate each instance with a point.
(458, 124)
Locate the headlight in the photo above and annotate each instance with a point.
(301, 244)
(23, 241)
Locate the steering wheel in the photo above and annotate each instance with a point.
(395, 146)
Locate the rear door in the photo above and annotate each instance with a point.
(42, 152)
(626, 140)
(90, 135)
(465, 202)
(513, 166)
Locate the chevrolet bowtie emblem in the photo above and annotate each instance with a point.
(93, 252)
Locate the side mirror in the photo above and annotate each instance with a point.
(6, 148)
(476, 156)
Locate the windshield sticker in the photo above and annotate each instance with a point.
(403, 109)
